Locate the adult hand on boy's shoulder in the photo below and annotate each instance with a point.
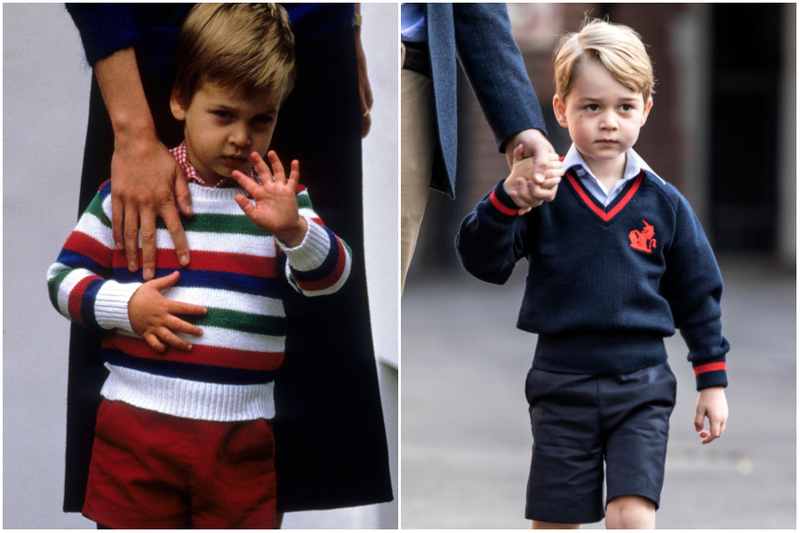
(533, 180)
(711, 404)
(146, 183)
(275, 210)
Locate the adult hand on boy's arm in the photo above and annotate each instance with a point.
(152, 315)
(711, 404)
(145, 179)
(276, 209)
(533, 181)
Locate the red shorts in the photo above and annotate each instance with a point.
(151, 470)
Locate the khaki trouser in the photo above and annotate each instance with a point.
(417, 144)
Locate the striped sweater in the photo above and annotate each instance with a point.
(238, 272)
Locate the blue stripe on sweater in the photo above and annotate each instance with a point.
(88, 301)
(77, 260)
(327, 266)
(210, 279)
(189, 371)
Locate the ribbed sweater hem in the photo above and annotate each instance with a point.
(189, 399)
(598, 354)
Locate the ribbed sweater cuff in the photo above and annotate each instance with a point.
(111, 305)
(710, 373)
(310, 253)
(502, 202)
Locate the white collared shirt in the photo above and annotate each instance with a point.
(634, 165)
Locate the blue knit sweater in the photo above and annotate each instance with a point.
(605, 285)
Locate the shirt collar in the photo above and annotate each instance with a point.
(179, 152)
(634, 164)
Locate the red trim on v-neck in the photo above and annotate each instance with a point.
(606, 215)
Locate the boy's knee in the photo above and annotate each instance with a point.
(631, 512)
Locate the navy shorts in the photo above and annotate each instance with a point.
(581, 422)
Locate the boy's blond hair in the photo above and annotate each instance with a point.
(248, 47)
(617, 47)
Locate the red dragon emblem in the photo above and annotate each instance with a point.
(644, 240)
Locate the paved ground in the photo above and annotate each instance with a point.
(465, 431)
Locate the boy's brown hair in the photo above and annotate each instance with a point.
(615, 46)
(248, 47)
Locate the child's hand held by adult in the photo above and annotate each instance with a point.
(275, 210)
(527, 186)
(711, 404)
(154, 318)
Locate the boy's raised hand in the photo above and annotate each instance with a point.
(275, 210)
(529, 188)
(152, 315)
(711, 404)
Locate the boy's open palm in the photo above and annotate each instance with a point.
(154, 318)
(711, 404)
(275, 210)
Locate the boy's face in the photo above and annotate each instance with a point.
(222, 129)
(603, 116)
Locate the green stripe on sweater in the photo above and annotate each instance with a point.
(240, 321)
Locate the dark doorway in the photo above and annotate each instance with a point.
(746, 62)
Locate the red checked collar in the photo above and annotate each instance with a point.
(179, 152)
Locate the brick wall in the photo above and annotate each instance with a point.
(480, 166)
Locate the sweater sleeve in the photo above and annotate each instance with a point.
(495, 69)
(104, 28)
(79, 281)
(321, 263)
(693, 286)
(492, 238)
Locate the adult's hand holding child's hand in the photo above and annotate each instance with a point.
(532, 181)
(153, 317)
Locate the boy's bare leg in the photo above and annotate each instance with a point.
(537, 524)
(631, 512)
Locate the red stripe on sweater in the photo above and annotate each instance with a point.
(500, 206)
(88, 246)
(710, 367)
(331, 279)
(594, 207)
(213, 261)
(200, 354)
(76, 299)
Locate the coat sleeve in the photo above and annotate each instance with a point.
(495, 69)
(321, 263)
(104, 28)
(492, 238)
(79, 281)
(692, 284)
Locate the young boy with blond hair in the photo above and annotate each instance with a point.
(183, 436)
(616, 260)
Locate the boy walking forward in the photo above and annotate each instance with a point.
(183, 437)
(616, 260)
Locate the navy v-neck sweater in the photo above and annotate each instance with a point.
(605, 285)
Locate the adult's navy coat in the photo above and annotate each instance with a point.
(478, 36)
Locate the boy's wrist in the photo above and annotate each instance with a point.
(294, 237)
(501, 199)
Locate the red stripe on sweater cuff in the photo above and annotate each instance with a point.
(710, 367)
(500, 206)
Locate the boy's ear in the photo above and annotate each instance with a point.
(560, 110)
(176, 105)
(647, 107)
